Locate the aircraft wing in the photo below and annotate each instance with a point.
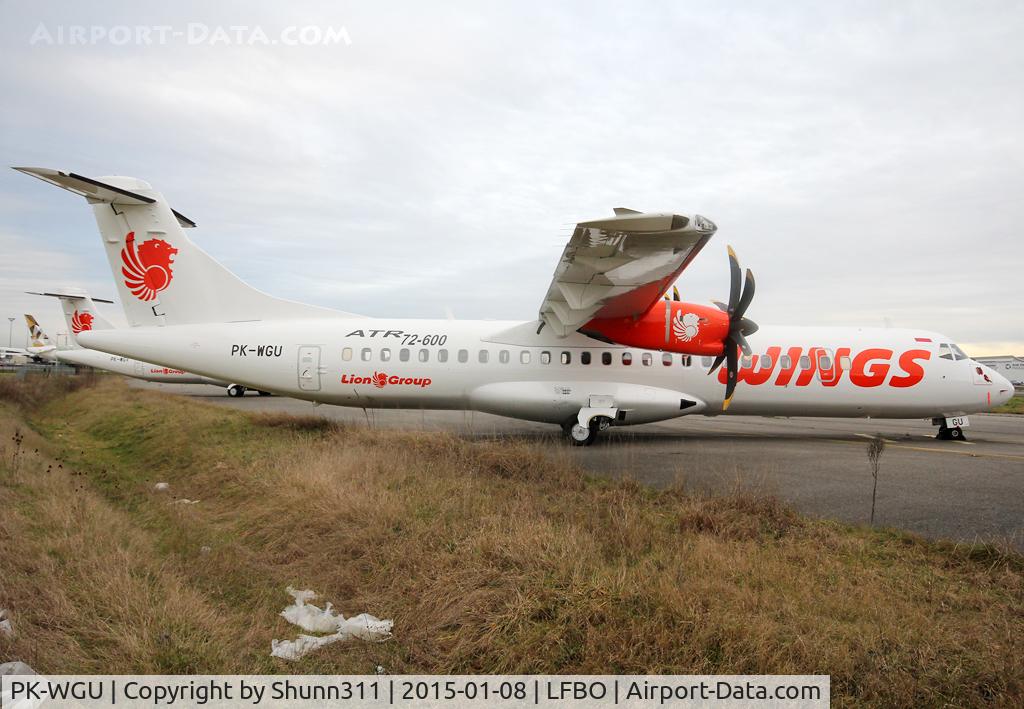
(620, 266)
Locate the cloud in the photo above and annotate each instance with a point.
(864, 160)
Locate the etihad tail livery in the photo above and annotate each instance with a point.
(81, 315)
(605, 349)
(40, 350)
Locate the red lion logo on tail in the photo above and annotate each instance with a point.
(81, 321)
(147, 270)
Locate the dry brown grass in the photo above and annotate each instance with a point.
(40, 388)
(490, 557)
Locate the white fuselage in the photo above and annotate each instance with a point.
(507, 368)
(131, 367)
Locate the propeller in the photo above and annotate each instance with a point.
(675, 295)
(741, 292)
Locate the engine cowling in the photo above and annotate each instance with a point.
(671, 326)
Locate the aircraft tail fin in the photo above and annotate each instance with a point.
(162, 277)
(37, 337)
(80, 311)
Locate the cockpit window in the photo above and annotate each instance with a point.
(945, 352)
(958, 352)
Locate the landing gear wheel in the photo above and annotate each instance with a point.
(581, 436)
(951, 434)
(236, 390)
(264, 393)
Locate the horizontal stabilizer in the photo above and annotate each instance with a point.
(75, 293)
(98, 191)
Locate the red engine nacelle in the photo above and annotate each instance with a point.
(671, 326)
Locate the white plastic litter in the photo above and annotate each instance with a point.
(160, 487)
(184, 501)
(6, 629)
(317, 620)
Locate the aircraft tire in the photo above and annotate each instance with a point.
(236, 390)
(580, 436)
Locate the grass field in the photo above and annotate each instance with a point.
(1013, 406)
(490, 556)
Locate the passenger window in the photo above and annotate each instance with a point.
(567, 358)
(706, 362)
(766, 361)
(606, 358)
(627, 358)
(403, 354)
(784, 361)
(845, 362)
(805, 362)
(825, 362)
(463, 356)
(346, 354)
(545, 357)
(685, 360)
(366, 354)
(666, 359)
(746, 361)
(647, 359)
(442, 355)
(945, 352)
(503, 356)
(584, 358)
(483, 356)
(385, 355)
(424, 355)
(524, 356)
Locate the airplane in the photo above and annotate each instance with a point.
(81, 315)
(604, 350)
(41, 350)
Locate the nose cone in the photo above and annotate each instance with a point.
(1002, 389)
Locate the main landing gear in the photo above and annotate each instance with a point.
(585, 435)
(239, 390)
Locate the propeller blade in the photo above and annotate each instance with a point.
(721, 306)
(734, 281)
(732, 369)
(675, 294)
(748, 326)
(741, 341)
(717, 363)
(748, 295)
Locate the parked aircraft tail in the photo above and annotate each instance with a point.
(162, 277)
(80, 311)
(37, 337)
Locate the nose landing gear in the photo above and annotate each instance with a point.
(236, 390)
(951, 434)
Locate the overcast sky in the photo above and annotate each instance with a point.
(866, 160)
